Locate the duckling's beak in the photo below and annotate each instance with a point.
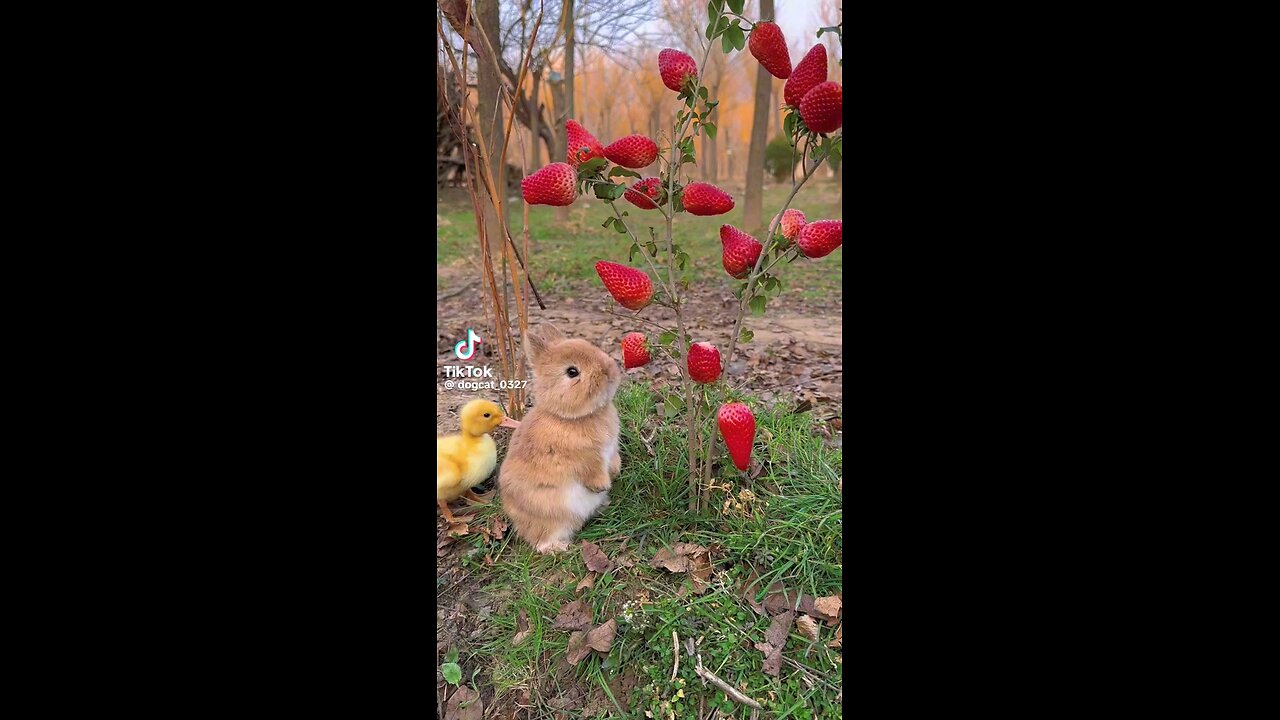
(509, 423)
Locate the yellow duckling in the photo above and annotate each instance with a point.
(464, 460)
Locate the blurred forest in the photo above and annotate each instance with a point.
(601, 70)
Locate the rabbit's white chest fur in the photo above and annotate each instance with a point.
(607, 454)
(582, 502)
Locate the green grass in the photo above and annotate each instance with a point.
(791, 531)
(565, 254)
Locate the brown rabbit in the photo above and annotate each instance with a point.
(563, 457)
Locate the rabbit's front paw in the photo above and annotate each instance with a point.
(551, 547)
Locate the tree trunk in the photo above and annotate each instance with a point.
(489, 117)
(566, 93)
(535, 120)
(754, 202)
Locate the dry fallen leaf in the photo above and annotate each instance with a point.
(779, 629)
(807, 627)
(464, 694)
(602, 637)
(772, 658)
(775, 639)
(829, 606)
(498, 527)
(488, 560)
(686, 557)
(522, 628)
(573, 616)
(578, 647)
(587, 582)
(458, 529)
(595, 558)
(838, 641)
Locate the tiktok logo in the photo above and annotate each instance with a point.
(470, 343)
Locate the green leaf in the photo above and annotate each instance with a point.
(666, 338)
(746, 336)
(632, 254)
(712, 104)
(789, 125)
(726, 45)
(757, 305)
(451, 656)
(737, 5)
(619, 171)
(608, 221)
(682, 259)
(652, 247)
(702, 93)
(589, 167)
(721, 25)
(711, 25)
(607, 191)
(711, 130)
(452, 673)
(711, 12)
(621, 227)
(739, 37)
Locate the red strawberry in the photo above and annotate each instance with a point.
(675, 67)
(645, 193)
(741, 251)
(792, 221)
(582, 146)
(552, 185)
(704, 199)
(770, 48)
(704, 362)
(630, 287)
(810, 71)
(632, 151)
(822, 108)
(635, 353)
(738, 428)
(818, 239)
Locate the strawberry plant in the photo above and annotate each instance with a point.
(814, 110)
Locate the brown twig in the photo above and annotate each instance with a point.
(675, 652)
(728, 689)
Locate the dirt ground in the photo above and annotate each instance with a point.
(796, 357)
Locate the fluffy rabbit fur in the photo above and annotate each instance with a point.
(563, 457)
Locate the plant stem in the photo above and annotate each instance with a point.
(669, 288)
(749, 293)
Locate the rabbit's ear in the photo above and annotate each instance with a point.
(540, 339)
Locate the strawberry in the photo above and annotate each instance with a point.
(632, 151)
(552, 185)
(675, 67)
(822, 108)
(704, 362)
(645, 193)
(770, 48)
(738, 428)
(582, 146)
(630, 287)
(810, 71)
(705, 199)
(792, 221)
(818, 239)
(635, 353)
(741, 251)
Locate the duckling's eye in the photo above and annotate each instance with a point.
(486, 414)
(572, 372)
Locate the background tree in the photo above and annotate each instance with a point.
(754, 201)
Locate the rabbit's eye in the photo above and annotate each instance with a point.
(572, 372)
(486, 414)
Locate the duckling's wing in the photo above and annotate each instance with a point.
(448, 469)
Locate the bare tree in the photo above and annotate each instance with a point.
(754, 202)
